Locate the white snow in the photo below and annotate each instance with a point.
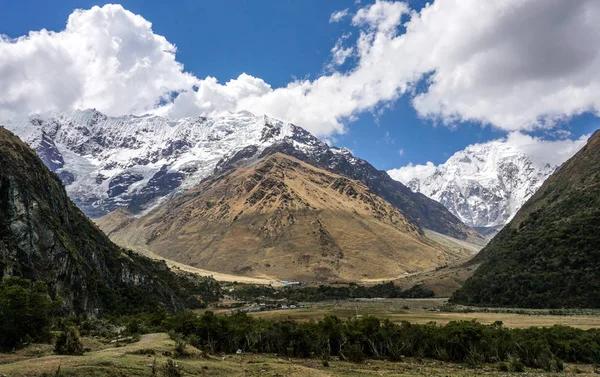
(484, 185)
(99, 148)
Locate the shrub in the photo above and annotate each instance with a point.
(171, 369)
(69, 343)
(515, 365)
(180, 348)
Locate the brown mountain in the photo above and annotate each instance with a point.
(549, 254)
(44, 236)
(283, 218)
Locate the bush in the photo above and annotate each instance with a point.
(354, 352)
(69, 343)
(171, 369)
(515, 365)
(180, 348)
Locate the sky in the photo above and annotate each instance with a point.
(397, 83)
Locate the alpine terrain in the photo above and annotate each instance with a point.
(484, 185)
(138, 162)
(548, 255)
(44, 236)
(279, 217)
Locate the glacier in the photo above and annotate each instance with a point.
(484, 185)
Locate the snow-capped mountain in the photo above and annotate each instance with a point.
(138, 162)
(484, 184)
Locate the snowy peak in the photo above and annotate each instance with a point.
(484, 185)
(111, 162)
(138, 162)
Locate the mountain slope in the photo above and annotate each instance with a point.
(44, 236)
(137, 162)
(549, 254)
(280, 217)
(484, 185)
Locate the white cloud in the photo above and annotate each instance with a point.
(553, 152)
(401, 152)
(383, 15)
(338, 15)
(339, 53)
(106, 58)
(514, 64)
(405, 173)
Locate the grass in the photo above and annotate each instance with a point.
(123, 361)
(426, 310)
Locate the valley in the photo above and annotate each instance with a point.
(300, 188)
(368, 294)
(423, 311)
(147, 355)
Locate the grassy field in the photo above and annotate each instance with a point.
(428, 310)
(153, 350)
(137, 359)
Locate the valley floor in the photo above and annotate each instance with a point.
(437, 310)
(137, 359)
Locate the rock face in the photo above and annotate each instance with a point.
(138, 162)
(279, 217)
(484, 185)
(44, 236)
(548, 255)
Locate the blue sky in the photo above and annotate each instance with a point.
(280, 41)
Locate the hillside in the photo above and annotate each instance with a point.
(549, 254)
(138, 162)
(44, 236)
(282, 218)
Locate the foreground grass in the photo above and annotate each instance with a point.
(136, 359)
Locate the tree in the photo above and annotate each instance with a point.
(25, 312)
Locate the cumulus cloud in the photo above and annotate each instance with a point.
(541, 151)
(338, 15)
(513, 64)
(107, 58)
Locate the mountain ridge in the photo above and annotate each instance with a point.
(138, 162)
(282, 217)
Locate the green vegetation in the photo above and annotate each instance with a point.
(26, 312)
(368, 337)
(69, 342)
(548, 256)
(248, 292)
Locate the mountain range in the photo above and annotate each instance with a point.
(138, 162)
(484, 185)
